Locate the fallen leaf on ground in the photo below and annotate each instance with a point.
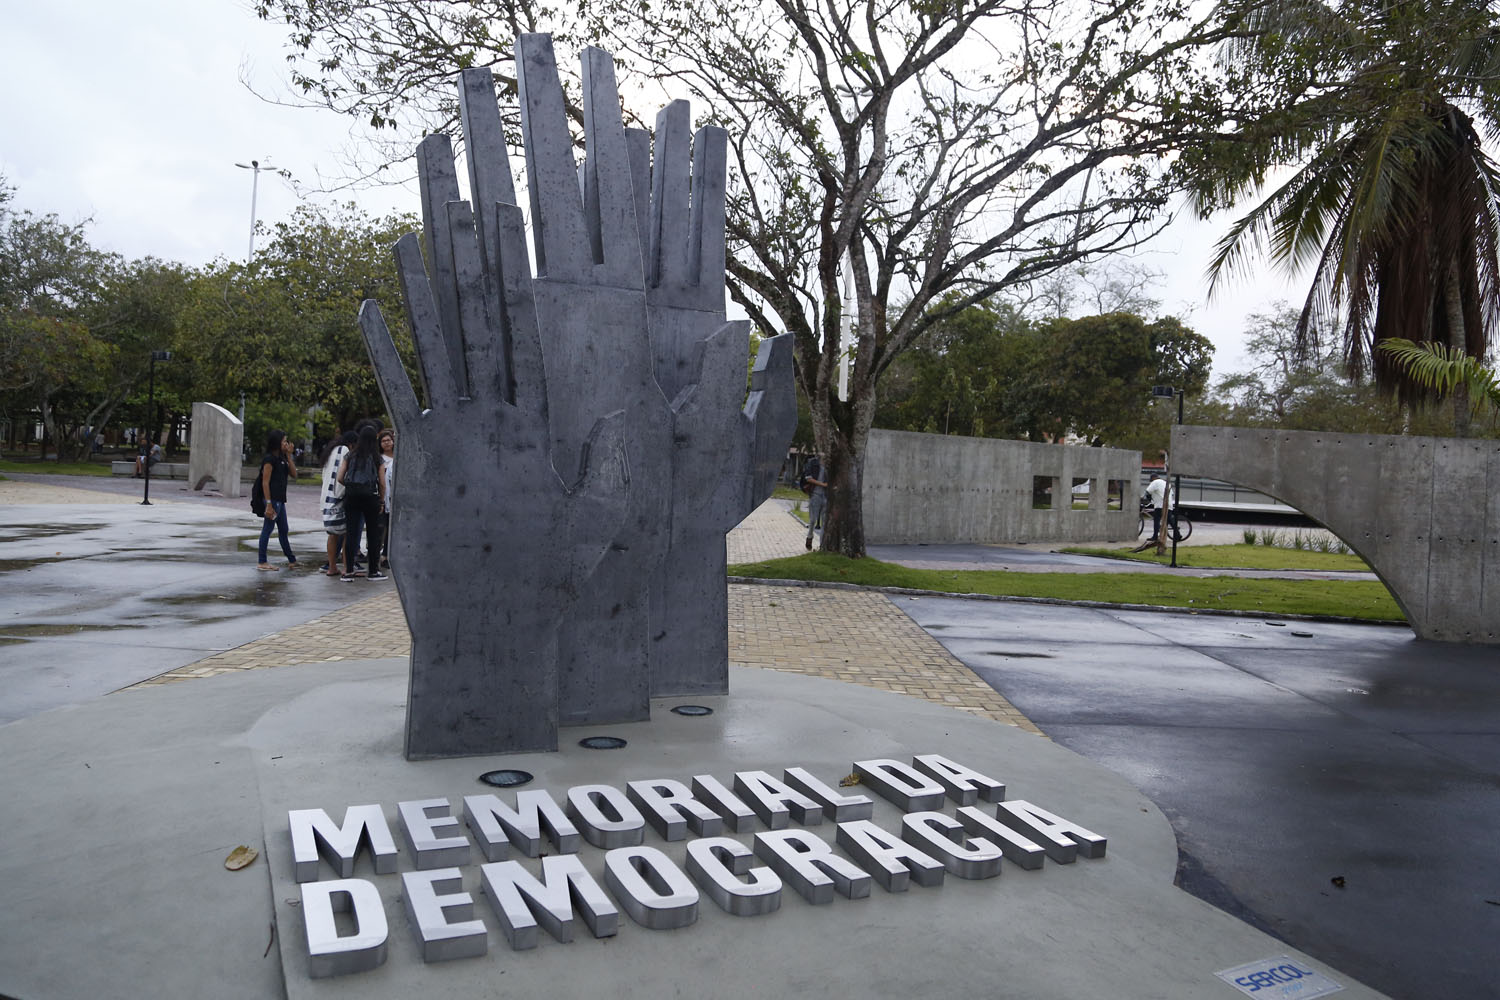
(849, 779)
(240, 857)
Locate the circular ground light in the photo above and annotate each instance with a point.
(506, 778)
(601, 743)
(692, 710)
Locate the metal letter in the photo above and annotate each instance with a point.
(1016, 846)
(606, 816)
(934, 832)
(420, 821)
(651, 888)
(313, 832)
(328, 954)
(1062, 839)
(520, 900)
(837, 807)
(715, 863)
(959, 781)
(773, 801)
(712, 793)
(670, 808)
(808, 864)
(891, 861)
(900, 783)
(495, 824)
(428, 895)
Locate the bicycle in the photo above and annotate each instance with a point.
(1180, 526)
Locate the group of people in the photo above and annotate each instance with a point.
(358, 473)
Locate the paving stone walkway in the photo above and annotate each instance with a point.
(853, 636)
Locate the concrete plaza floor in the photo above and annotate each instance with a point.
(1284, 756)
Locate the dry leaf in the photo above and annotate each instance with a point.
(849, 780)
(240, 857)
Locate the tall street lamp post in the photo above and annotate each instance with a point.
(151, 422)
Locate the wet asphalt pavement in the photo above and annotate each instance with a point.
(1287, 757)
(97, 597)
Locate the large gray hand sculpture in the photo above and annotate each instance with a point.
(725, 458)
(491, 550)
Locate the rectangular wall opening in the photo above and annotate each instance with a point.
(1083, 493)
(1116, 495)
(1041, 492)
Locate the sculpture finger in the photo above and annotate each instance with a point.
(597, 502)
(638, 141)
(490, 179)
(667, 255)
(528, 389)
(395, 387)
(719, 381)
(433, 360)
(706, 238)
(770, 415)
(608, 195)
(484, 347)
(562, 249)
(439, 186)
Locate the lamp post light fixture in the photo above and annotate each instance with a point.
(151, 423)
(257, 167)
(1167, 392)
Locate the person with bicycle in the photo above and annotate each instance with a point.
(1156, 494)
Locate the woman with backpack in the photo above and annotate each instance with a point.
(364, 493)
(276, 467)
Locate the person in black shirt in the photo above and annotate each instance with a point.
(275, 467)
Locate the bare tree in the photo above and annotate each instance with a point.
(940, 152)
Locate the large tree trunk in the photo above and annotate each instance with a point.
(844, 520)
(1453, 305)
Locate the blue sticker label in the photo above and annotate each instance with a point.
(1280, 978)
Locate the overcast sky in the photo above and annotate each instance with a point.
(134, 115)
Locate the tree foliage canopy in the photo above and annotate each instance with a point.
(988, 372)
(1379, 109)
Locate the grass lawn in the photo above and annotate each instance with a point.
(1365, 599)
(52, 468)
(784, 492)
(1235, 557)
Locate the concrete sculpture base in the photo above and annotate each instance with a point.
(119, 814)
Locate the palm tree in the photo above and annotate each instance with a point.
(1446, 371)
(1378, 106)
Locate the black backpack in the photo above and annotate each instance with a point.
(257, 498)
(359, 480)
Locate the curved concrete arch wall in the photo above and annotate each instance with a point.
(1423, 512)
(218, 449)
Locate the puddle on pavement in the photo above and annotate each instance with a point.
(12, 565)
(20, 633)
(1019, 656)
(25, 532)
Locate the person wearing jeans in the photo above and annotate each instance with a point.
(814, 482)
(276, 468)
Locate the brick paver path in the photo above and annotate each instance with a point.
(847, 635)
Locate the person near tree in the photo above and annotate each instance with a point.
(814, 484)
